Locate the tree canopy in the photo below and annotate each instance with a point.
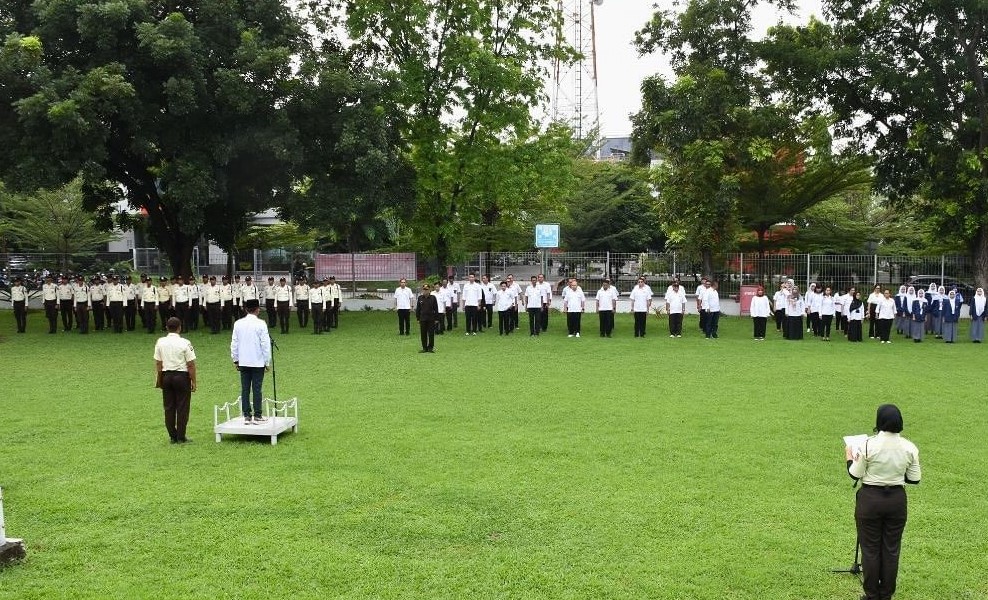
(908, 81)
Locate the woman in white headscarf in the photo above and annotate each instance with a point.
(938, 313)
(978, 316)
(919, 309)
(795, 308)
(907, 306)
(900, 310)
(950, 311)
(932, 298)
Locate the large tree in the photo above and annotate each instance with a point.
(177, 107)
(468, 73)
(701, 124)
(611, 209)
(908, 80)
(51, 221)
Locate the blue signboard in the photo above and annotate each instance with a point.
(547, 235)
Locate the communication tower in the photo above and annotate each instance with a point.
(574, 99)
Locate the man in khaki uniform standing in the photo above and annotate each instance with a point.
(175, 376)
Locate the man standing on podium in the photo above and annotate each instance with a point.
(250, 350)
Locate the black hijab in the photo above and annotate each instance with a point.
(888, 419)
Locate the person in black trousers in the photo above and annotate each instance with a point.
(883, 464)
(427, 313)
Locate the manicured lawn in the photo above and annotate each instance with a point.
(496, 468)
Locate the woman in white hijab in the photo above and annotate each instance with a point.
(907, 306)
(978, 316)
(938, 312)
(950, 310)
(920, 308)
(900, 310)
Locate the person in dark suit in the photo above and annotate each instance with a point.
(427, 313)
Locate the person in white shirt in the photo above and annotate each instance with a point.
(873, 299)
(250, 349)
(759, 311)
(19, 300)
(855, 316)
(453, 293)
(149, 304)
(698, 294)
(227, 309)
(83, 303)
(574, 303)
(284, 301)
(180, 302)
(840, 299)
(404, 298)
(607, 297)
(334, 301)
(97, 295)
(515, 289)
(675, 299)
(66, 303)
(489, 292)
(49, 295)
(440, 293)
(795, 311)
(504, 299)
(301, 291)
(828, 308)
(317, 303)
(711, 303)
(546, 301)
(212, 298)
(471, 299)
(779, 307)
(175, 376)
(641, 304)
(533, 305)
(813, 310)
(885, 314)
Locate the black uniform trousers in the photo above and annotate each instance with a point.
(176, 394)
(214, 317)
(534, 321)
(130, 314)
(51, 313)
(284, 315)
(760, 326)
(473, 318)
(150, 311)
(66, 308)
(427, 333)
(317, 319)
(82, 317)
(163, 312)
(640, 320)
(302, 311)
(404, 321)
(98, 315)
(675, 323)
(880, 516)
(20, 315)
(116, 316)
(269, 310)
(606, 318)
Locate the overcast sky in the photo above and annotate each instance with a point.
(621, 70)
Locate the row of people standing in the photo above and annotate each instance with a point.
(116, 302)
(912, 313)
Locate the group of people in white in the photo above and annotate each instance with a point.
(913, 313)
(115, 302)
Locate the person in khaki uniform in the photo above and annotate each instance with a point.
(175, 376)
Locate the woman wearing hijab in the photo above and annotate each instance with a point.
(950, 312)
(978, 316)
(907, 308)
(759, 311)
(900, 310)
(855, 316)
(937, 313)
(886, 314)
(828, 308)
(873, 299)
(883, 465)
(795, 308)
(931, 299)
(918, 313)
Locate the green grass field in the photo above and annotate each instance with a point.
(496, 468)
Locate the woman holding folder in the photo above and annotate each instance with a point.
(883, 464)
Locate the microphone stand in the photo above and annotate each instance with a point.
(855, 568)
(274, 382)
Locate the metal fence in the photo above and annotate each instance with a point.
(358, 273)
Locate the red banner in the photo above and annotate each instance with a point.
(747, 293)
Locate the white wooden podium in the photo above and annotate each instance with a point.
(281, 416)
(10, 549)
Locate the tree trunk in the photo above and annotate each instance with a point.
(707, 256)
(981, 258)
(179, 251)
